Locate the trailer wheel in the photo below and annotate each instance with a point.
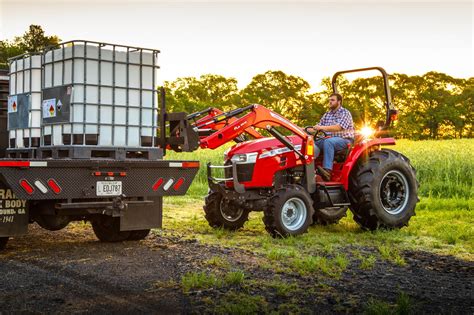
(383, 190)
(222, 213)
(3, 242)
(290, 212)
(107, 229)
(330, 215)
(138, 235)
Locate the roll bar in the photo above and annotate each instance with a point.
(391, 110)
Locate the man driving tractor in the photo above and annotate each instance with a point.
(338, 125)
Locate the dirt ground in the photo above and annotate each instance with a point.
(71, 272)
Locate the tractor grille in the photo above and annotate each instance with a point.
(244, 171)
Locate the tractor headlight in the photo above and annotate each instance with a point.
(367, 132)
(245, 158)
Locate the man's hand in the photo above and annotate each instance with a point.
(318, 128)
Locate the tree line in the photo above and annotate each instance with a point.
(431, 106)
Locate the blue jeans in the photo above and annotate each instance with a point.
(329, 146)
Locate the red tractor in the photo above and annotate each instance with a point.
(277, 175)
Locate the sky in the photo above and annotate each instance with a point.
(310, 39)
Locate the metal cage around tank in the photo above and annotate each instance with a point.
(24, 101)
(111, 90)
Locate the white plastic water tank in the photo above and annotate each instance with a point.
(114, 98)
(25, 91)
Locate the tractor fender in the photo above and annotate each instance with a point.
(355, 154)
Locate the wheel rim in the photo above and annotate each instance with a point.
(394, 192)
(293, 214)
(230, 213)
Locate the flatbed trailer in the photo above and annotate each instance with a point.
(119, 190)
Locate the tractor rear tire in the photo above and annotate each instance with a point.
(3, 242)
(327, 216)
(107, 229)
(222, 213)
(138, 235)
(289, 212)
(383, 190)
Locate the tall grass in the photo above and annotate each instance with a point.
(445, 168)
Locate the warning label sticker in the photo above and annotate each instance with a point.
(49, 108)
(12, 104)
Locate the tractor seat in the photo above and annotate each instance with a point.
(341, 155)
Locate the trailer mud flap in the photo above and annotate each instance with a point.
(14, 216)
(140, 217)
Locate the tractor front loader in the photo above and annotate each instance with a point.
(277, 175)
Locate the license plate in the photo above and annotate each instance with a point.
(110, 188)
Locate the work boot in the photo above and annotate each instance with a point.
(325, 173)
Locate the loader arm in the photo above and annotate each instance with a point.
(219, 123)
(260, 117)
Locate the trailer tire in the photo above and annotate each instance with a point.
(3, 242)
(220, 213)
(107, 229)
(138, 235)
(289, 212)
(383, 190)
(327, 216)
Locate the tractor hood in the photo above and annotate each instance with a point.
(259, 146)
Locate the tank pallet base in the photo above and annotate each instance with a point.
(86, 152)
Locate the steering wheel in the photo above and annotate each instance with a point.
(318, 135)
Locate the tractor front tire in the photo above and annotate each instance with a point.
(138, 235)
(220, 212)
(3, 242)
(330, 215)
(107, 229)
(383, 190)
(289, 212)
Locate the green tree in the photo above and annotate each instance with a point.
(34, 40)
(191, 94)
(282, 93)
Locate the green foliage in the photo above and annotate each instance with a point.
(404, 305)
(33, 40)
(240, 303)
(234, 277)
(367, 262)
(431, 106)
(191, 94)
(217, 261)
(390, 253)
(199, 281)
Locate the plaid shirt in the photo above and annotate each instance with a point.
(341, 117)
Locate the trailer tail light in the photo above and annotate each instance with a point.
(41, 186)
(168, 184)
(54, 186)
(123, 174)
(157, 184)
(184, 164)
(27, 186)
(178, 183)
(190, 164)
